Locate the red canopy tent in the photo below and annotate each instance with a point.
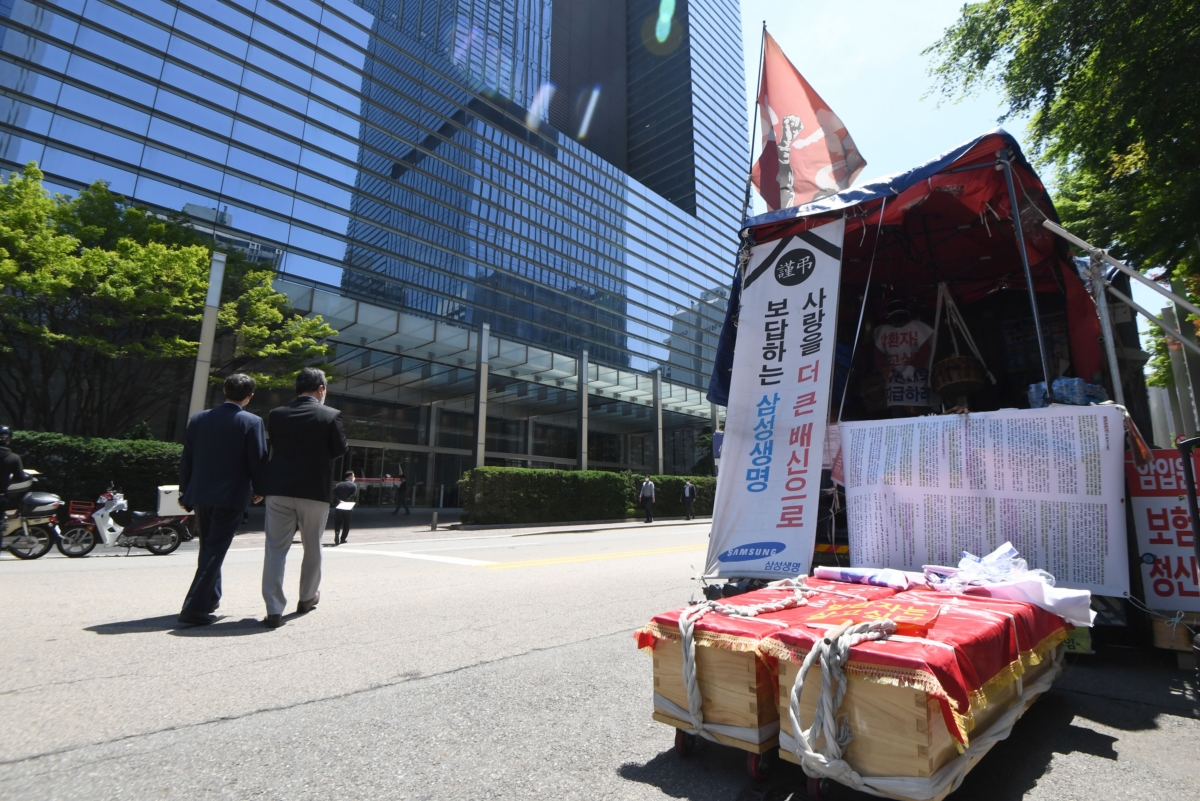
(949, 220)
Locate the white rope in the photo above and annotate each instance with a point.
(687, 624)
(945, 301)
(950, 776)
(833, 650)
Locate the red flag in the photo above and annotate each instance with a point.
(807, 153)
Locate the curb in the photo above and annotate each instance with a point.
(674, 521)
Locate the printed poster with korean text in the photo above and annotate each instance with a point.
(765, 514)
(922, 490)
(1166, 544)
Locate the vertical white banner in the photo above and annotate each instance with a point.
(765, 516)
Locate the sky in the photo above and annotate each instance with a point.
(864, 59)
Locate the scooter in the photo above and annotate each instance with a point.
(91, 524)
(31, 531)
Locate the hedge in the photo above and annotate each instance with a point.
(668, 494)
(493, 495)
(80, 468)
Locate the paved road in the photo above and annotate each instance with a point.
(464, 665)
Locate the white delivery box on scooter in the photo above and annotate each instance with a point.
(168, 502)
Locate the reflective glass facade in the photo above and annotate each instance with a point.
(406, 151)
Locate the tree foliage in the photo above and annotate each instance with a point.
(1112, 90)
(100, 312)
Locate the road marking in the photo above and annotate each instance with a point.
(592, 557)
(450, 560)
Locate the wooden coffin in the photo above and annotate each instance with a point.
(737, 687)
(898, 731)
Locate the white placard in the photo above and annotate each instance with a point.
(1163, 524)
(765, 514)
(1050, 481)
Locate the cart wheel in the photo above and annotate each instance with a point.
(685, 743)
(759, 766)
(814, 789)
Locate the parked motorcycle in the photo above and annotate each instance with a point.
(92, 524)
(31, 532)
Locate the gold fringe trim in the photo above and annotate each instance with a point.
(1015, 670)
(876, 674)
(710, 639)
(1043, 648)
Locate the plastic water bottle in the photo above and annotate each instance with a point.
(1037, 395)
(1070, 390)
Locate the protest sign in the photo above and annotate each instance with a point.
(1164, 532)
(923, 490)
(765, 513)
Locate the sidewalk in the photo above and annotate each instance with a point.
(379, 525)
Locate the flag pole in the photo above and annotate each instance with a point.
(762, 44)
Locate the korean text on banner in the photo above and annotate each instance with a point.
(765, 516)
(921, 491)
(1164, 532)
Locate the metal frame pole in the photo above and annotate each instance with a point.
(1132, 273)
(762, 45)
(1005, 159)
(1106, 328)
(1166, 328)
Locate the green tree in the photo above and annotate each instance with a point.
(100, 311)
(1112, 91)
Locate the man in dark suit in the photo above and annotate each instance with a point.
(306, 438)
(223, 453)
(346, 492)
(402, 496)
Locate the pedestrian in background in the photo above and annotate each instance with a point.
(688, 496)
(306, 438)
(346, 492)
(221, 468)
(647, 496)
(402, 496)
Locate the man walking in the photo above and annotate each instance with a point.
(222, 462)
(688, 496)
(647, 496)
(345, 494)
(402, 496)
(305, 439)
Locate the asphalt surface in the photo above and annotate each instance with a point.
(458, 665)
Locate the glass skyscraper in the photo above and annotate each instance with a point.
(567, 172)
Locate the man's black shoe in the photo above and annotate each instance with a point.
(307, 606)
(189, 619)
(273, 621)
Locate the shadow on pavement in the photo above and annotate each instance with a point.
(712, 772)
(1125, 689)
(159, 623)
(170, 624)
(222, 628)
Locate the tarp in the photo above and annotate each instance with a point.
(948, 220)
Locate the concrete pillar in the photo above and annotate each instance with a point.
(716, 421)
(481, 391)
(529, 440)
(658, 422)
(581, 417)
(1191, 359)
(431, 463)
(208, 334)
(1183, 389)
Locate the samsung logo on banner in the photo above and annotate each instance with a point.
(752, 550)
